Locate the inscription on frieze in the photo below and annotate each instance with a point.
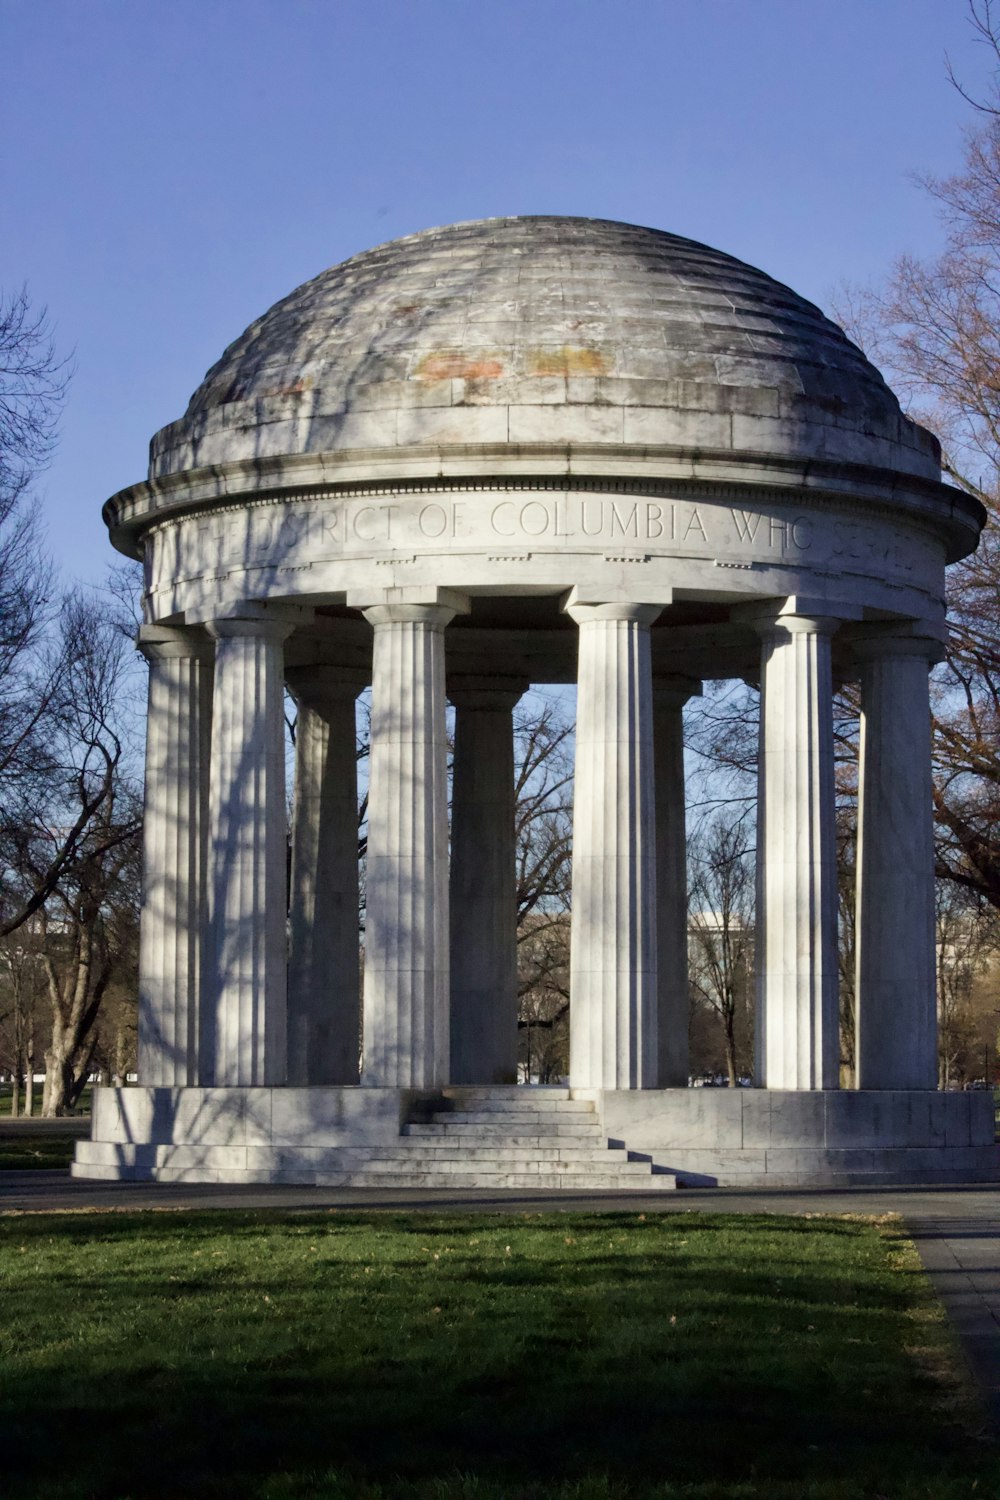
(300, 533)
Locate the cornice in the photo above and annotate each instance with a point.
(665, 473)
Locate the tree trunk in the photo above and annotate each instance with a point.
(65, 1080)
(29, 1075)
(15, 1086)
(120, 1076)
(730, 1028)
(58, 1082)
(74, 1011)
(53, 1093)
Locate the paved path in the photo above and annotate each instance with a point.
(961, 1254)
(956, 1229)
(48, 1192)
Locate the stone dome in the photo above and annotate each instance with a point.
(513, 332)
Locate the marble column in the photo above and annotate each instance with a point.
(324, 992)
(896, 1021)
(406, 986)
(483, 898)
(613, 990)
(797, 997)
(669, 697)
(243, 1020)
(174, 848)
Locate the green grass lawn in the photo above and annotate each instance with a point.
(455, 1357)
(35, 1149)
(82, 1105)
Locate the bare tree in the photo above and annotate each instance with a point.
(544, 831)
(33, 382)
(543, 791)
(967, 946)
(69, 815)
(935, 325)
(42, 653)
(721, 932)
(91, 945)
(33, 385)
(543, 1000)
(21, 996)
(69, 842)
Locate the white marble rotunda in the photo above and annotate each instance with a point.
(529, 450)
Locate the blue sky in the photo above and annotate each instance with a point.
(172, 167)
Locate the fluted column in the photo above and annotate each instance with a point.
(895, 930)
(324, 994)
(243, 1022)
(797, 1009)
(406, 1042)
(482, 883)
(613, 998)
(669, 697)
(174, 846)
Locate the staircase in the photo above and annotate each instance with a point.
(509, 1137)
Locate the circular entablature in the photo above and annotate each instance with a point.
(537, 404)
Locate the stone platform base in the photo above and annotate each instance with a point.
(508, 1137)
(837, 1138)
(460, 1138)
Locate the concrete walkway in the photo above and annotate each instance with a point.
(956, 1230)
(961, 1254)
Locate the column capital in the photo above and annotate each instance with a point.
(673, 690)
(411, 604)
(606, 601)
(878, 647)
(494, 693)
(263, 609)
(316, 686)
(796, 615)
(437, 616)
(165, 642)
(620, 609)
(774, 627)
(260, 627)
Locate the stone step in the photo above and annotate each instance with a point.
(552, 1118)
(529, 1095)
(542, 1181)
(406, 1179)
(516, 1124)
(460, 1141)
(435, 1150)
(451, 1166)
(520, 1091)
(538, 1132)
(510, 1107)
(378, 1159)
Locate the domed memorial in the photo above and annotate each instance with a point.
(529, 450)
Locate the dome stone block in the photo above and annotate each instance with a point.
(413, 343)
